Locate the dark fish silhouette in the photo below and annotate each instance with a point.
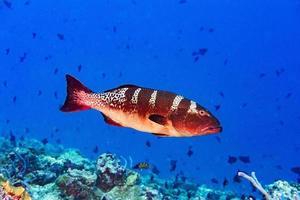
(190, 151)
(231, 159)
(148, 144)
(159, 112)
(60, 36)
(173, 165)
(244, 159)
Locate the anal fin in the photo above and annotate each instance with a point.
(110, 121)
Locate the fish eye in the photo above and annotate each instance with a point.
(202, 112)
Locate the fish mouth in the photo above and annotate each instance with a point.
(213, 129)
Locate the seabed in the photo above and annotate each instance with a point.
(30, 169)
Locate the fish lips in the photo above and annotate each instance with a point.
(212, 129)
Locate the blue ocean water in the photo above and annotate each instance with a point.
(249, 78)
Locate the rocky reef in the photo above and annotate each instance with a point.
(30, 169)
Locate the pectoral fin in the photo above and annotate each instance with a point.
(110, 121)
(159, 119)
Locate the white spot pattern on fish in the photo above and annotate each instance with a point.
(135, 96)
(153, 98)
(176, 102)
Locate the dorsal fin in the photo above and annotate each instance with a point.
(122, 86)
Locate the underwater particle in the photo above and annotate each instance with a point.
(60, 36)
(262, 75)
(211, 30)
(14, 99)
(214, 181)
(40, 93)
(33, 35)
(127, 46)
(190, 151)
(141, 165)
(96, 149)
(244, 159)
(281, 122)
(157, 111)
(244, 105)
(120, 75)
(196, 58)
(79, 67)
(288, 95)
(148, 144)
(225, 182)
(296, 170)
(173, 165)
(182, 1)
(231, 159)
(7, 50)
(55, 95)
(218, 139)
(217, 107)
(22, 58)
(5, 83)
(221, 93)
(201, 28)
(225, 62)
(103, 75)
(279, 71)
(279, 167)
(27, 3)
(114, 29)
(7, 3)
(55, 71)
(155, 170)
(44, 141)
(202, 51)
(7, 121)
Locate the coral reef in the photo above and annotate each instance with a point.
(30, 169)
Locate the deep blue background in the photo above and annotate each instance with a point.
(150, 43)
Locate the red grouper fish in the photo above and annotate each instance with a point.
(158, 112)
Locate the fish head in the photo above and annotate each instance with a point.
(196, 122)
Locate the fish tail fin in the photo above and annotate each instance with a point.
(76, 96)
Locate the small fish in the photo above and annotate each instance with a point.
(7, 3)
(211, 30)
(173, 165)
(217, 107)
(14, 99)
(60, 36)
(158, 112)
(214, 180)
(244, 159)
(33, 35)
(141, 165)
(95, 149)
(40, 93)
(218, 139)
(22, 58)
(55, 71)
(155, 170)
(148, 144)
(225, 182)
(45, 141)
(221, 93)
(231, 159)
(79, 68)
(296, 170)
(5, 83)
(190, 151)
(262, 75)
(55, 95)
(7, 50)
(237, 179)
